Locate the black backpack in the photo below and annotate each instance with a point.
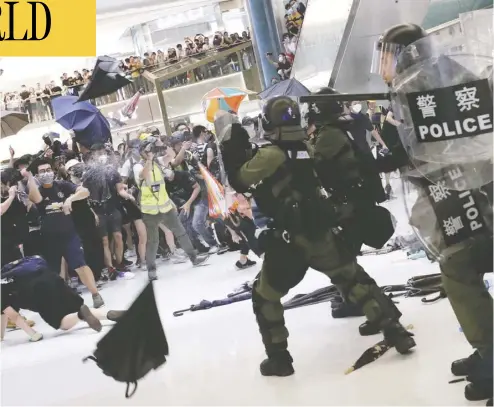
(130, 350)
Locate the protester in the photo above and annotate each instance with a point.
(105, 187)
(54, 201)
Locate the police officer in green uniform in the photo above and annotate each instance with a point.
(305, 233)
(409, 62)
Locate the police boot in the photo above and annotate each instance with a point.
(278, 364)
(480, 386)
(398, 337)
(369, 328)
(346, 309)
(465, 366)
(480, 389)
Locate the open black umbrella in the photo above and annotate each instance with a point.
(135, 345)
(290, 87)
(12, 122)
(107, 78)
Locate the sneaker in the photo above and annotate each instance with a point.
(112, 273)
(279, 364)
(152, 275)
(122, 268)
(97, 301)
(126, 262)
(213, 249)
(131, 253)
(36, 337)
(86, 315)
(180, 252)
(200, 259)
(176, 258)
(246, 265)
(223, 250)
(138, 265)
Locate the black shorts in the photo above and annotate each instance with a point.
(109, 222)
(52, 299)
(130, 212)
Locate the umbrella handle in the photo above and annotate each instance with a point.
(180, 312)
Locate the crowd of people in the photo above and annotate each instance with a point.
(36, 101)
(96, 213)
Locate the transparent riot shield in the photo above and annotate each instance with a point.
(443, 95)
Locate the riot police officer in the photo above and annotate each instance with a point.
(305, 232)
(452, 177)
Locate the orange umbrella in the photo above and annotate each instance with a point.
(226, 99)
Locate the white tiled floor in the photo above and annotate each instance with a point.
(215, 354)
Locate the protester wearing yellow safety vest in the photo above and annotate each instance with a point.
(157, 207)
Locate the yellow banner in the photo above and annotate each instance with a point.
(62, 28)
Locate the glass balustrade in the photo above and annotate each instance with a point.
(182, 84)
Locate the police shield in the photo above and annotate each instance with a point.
(443, 96)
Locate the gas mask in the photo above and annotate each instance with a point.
(46, 178)
(356, 108)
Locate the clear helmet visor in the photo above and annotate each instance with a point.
(384, 60)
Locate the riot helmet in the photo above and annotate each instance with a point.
(324, 111)
(391, 44)
(281, 119)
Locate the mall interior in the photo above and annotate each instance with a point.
(184, 66)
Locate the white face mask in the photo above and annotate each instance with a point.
(168, 173)
(357, 108)
(75, 180)
(281, 59)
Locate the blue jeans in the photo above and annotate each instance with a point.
(195, 223)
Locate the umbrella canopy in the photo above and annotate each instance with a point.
(107, 78)
(12, 122)
(88, 123)
(225, 99)
(290, 87)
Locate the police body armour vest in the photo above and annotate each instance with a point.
(292, 195)
(154, 197)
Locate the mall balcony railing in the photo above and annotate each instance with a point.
(170, 90)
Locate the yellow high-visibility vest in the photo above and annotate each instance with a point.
(154, 197)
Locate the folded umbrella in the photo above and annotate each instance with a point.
(107, 78)
(85, 119)
(12, 122)
(131, 106)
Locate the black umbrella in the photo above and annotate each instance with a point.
(12, 122)
(290, 87)
(135, 345)
(107, 78)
